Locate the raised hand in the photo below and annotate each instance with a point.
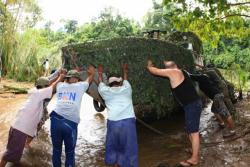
(63, 71)
(149, 63)
(100, 71)
(125, 71)
(91, 70)
(125, 67)
(100, 68)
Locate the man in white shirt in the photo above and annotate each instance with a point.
(27, 119)
(45, 115)
(66, 116)
(121, 138)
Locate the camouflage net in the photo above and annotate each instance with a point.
(150, 93)
(183, 38)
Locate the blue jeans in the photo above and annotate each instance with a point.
(63, 130)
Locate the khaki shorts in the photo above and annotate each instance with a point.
(219, 106)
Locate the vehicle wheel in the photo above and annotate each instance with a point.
(98, 106)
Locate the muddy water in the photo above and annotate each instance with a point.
(153, 148)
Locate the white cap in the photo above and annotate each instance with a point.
(114, 79)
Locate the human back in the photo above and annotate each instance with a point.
(69, 97)
(31, 112)
(118, 101)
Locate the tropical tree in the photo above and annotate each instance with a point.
(110, 24)
(154, 19)
(15, 16)
(70, 26)
(210, 19)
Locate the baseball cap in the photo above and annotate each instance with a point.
(114, 79)
(42, 81)
(73, 73)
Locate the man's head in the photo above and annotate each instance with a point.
(42, 82)
(73, 76)
(170, 64)
(115, 81)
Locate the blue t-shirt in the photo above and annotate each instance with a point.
(69, 98)
(118, 101)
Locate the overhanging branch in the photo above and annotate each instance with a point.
(238, 4)
(232, 15)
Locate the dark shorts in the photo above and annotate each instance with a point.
(192, 116)
(121, 143)
(15, 146)
(219, 106)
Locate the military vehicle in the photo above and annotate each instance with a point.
(151, 95)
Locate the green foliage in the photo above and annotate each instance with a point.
(155, 19)
(110, 24)
(14, 15)
(30, 51)
(224, 60)
(70, 26)
(210, 20)
(25, 51)
(233, 56)
(237, 76)
(135, 51)
(229, 51)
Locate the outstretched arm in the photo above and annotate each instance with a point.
(53, 77)
(156, 71)
(59, 79)
(125, 71)
(100, 72)
(91, 73)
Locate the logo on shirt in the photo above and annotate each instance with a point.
(67, 96)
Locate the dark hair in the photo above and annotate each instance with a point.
(114, 83)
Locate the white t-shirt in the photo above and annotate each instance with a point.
(30, 114)
(118, 101)
(69, 98)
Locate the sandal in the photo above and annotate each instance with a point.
(228, 133)
(186, 164)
